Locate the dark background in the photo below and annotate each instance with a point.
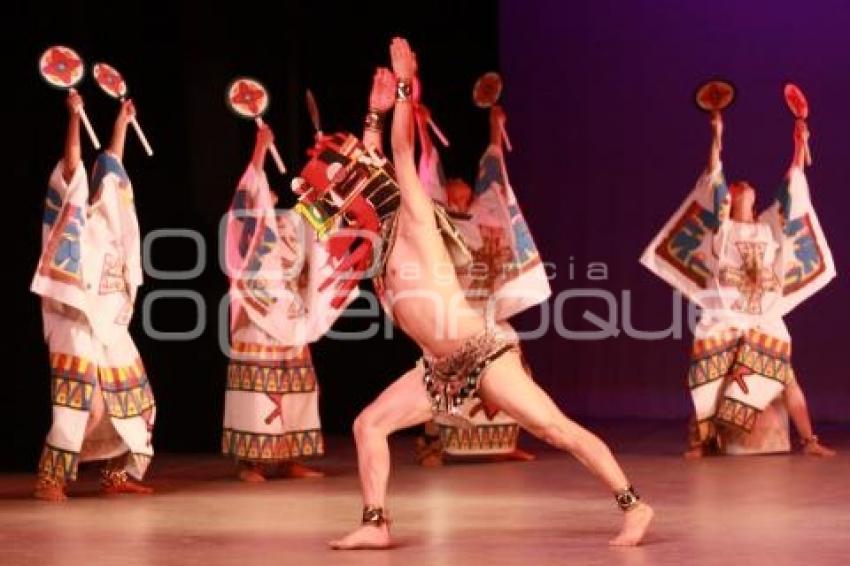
(607, 143)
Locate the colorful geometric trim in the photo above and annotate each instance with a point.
(104, 165)
(254, 447)
(126, 390)
(72, 381)
(765, 355)
(60, 465)
(278, 378)
(735, 413)
(712, 358)
(61, 259)
(808, 262)
(716, 357)
(292, 355)
(681, 246)
(271, 368)
(130, 403)
(496, 437)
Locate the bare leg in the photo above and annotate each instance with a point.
(506, 385)
(795, 401)
(403, 404)
(97, 412)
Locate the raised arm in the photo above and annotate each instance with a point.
(716, 142)
(801, 144)
(381, 99)
(119, 132)
(265, 138)
(414, 199)
(72, 157)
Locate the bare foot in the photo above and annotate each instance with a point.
(365, 537)
(817, 449)
(694, 453)
(49, 491)
(431, 461)
(296, 470)
(251, 474)
(635, 524)
(429, 451)
(129, 486)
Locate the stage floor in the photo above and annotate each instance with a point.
(748, 510)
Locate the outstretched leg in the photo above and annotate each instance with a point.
(795, 401)
(403, 404)
(506, 385)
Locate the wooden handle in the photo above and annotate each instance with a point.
(141, 135)
(92, 136)
(505, 137)
(437, 132)
(273, 150)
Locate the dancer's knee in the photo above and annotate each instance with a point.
(366, 424)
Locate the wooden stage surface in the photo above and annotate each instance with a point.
(772, 510)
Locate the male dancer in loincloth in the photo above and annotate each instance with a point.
(464, 356)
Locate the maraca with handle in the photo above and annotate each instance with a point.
(249, 99)
(61, 67)
(486, 93)
(714, 96)
(112, 83)
(799, 107)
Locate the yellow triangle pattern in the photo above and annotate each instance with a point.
(272, 447)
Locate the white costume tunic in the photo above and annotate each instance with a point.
(505, 278)
(746, 277)
(275, 264)
(87, 276)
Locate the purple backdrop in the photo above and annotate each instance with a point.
(608, 142)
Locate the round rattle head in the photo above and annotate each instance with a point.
(487, 90)
(247, 97)
(110, 80)
(714, 96)
(796, 101)
(61, 67)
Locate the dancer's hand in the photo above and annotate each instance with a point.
(403, 59)
(265, 137)
(801, 131)
(382, 96)
(126, 113)
(717, 125)
(74, 102)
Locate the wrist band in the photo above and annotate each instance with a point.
(374, 120)
(403, 90)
